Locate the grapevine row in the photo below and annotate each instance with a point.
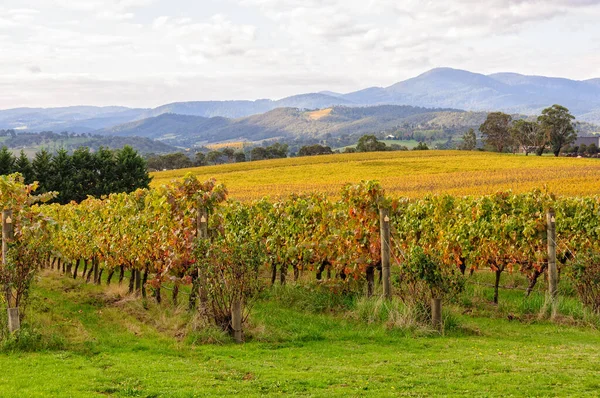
(154, 232)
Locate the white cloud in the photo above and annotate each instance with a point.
(154, 51)
(115, 16)
(200, 41)
(452, 19)
(100, 5)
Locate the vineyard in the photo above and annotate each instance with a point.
(187, 245)
(187, 234)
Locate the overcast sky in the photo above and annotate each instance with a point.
(145, 53)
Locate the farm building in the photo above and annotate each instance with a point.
(588, 141)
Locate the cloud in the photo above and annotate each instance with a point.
(153, 51)
(452, 19)
(115, 16)
(100, 5)
(200, 41)
(34, 69)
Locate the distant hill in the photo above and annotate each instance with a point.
(33, 142)
(237, 109)
(437, 88)
(291, 124)
(77, 119)
(166, 126)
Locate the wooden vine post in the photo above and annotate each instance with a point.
(14, 322)
(236, 320)
(202, 231)
(384, 222)
(552, 270)
(436, 313)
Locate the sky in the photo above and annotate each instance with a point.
(144, 53)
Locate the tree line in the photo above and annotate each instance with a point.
(82, 173)
(181, 160)
(554, 129)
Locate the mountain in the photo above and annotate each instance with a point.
(595, 82)
(77, 119)
(237, 109)
(230, 109)
(509, 92)
(292, 124)
(446, 87)
(437, 88)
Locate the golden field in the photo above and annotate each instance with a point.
(411, 174)
(222, 145)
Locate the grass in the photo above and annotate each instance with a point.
(410, 174)
(94, 341)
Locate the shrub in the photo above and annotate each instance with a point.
(585, 275)
(230, 267)
(424, 277)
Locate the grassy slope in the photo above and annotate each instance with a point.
(403, 173)
(107, 350)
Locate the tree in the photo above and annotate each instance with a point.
(530, 136)
(84, 177)
(130, 171)
(157, 162)
(239, 157)
(214, 157)
(23, 166)
(42, 169)
(258, 153)
(229, 153)
(592, 149)
(311, 150)
(495, 130)
(469, 140)
(200, 159)
(277, 151)
(177, 160)
(7, 161)
(274, 151)
(104, 160)
(370, 143)
(421, 147)
(558, 123)
(61, 178)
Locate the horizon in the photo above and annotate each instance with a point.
(276, 99)
(144, 53)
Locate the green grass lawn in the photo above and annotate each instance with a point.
(98, 342)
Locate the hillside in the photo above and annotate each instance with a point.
(288, 123)
(167, 126)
